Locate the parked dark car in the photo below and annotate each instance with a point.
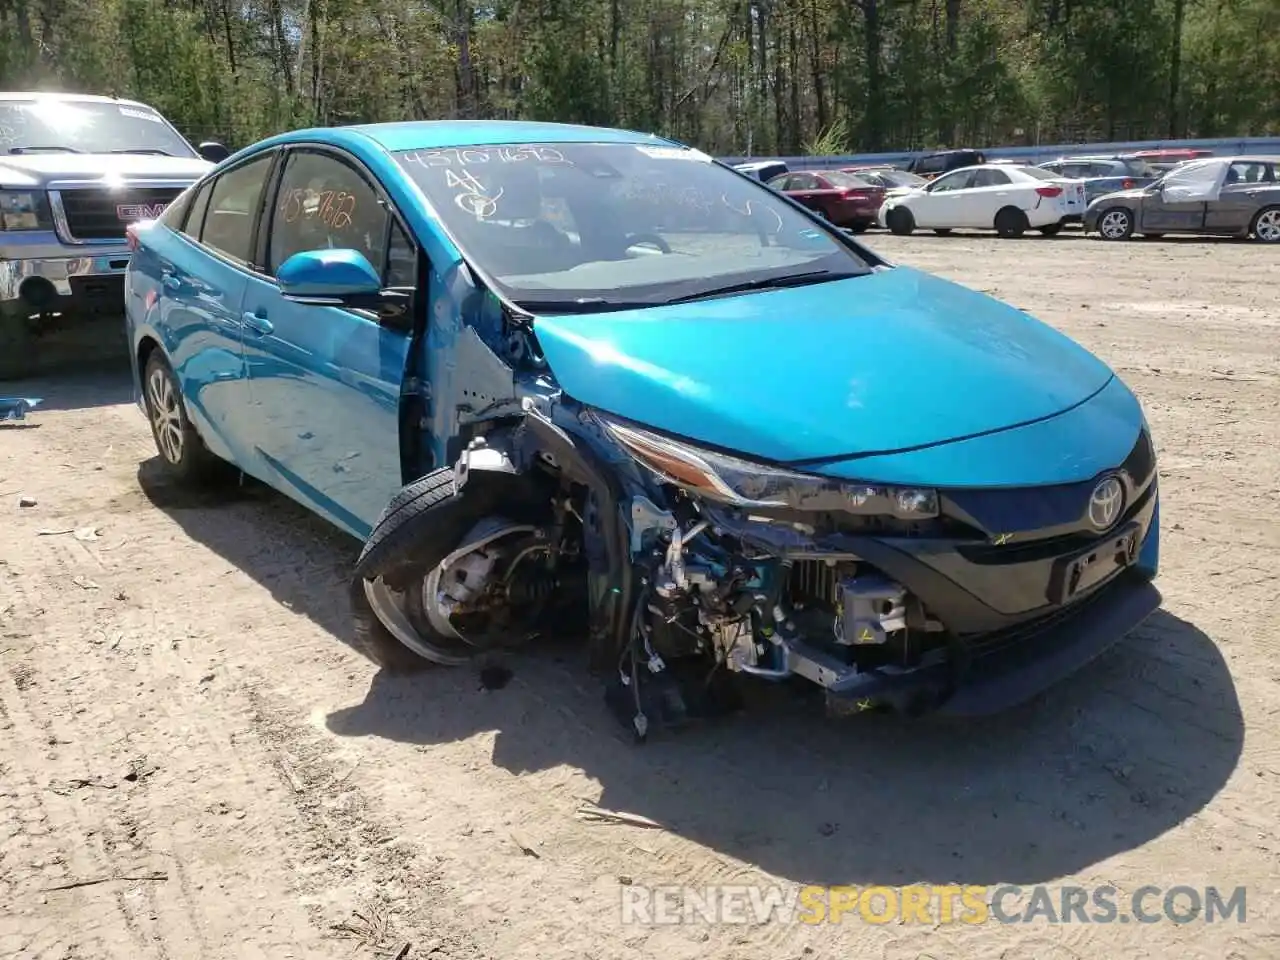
(890, 178)
(1105, 174)
(1226, 196)
(931, 165)
(843, 198)
(763, 169)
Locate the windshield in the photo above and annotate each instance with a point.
(846, 181)
(600, 225)
(86, 126)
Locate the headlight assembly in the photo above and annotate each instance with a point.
(741, 483)
(23, 210)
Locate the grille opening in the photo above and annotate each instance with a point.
(101, 214)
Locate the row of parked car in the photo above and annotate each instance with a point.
(1147, 193)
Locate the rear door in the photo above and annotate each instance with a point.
(988, 191)
(1249, 185)
(325, 381)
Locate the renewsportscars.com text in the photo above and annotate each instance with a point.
(929, 904)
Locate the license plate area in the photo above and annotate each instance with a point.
(1077, 573)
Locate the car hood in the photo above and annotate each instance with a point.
(42, 169)
(1135, 194)
(892, 361)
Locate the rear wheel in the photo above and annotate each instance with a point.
(859, 226)
(1011, 223)
(1052, 230)
(182, 452)
(900, 221)
(1266, 225)
(1115, 224)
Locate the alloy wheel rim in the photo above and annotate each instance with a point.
(1268, 228)
(166, 417)
(1114, 224)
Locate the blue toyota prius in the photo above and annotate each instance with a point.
(583, 382)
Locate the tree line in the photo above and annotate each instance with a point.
(733, 77)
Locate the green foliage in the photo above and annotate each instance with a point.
(734, 76)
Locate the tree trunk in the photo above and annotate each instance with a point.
(1175, 71)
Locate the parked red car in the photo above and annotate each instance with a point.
(843, 198)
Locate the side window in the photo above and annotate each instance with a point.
(402, 259)
(780, 183)
(989, 178)
(175, 214)
(1076, 171)
(194, 222)
(1248, 172)
(233, 206)
(803, 181)
(1052, 167)
(953, 181)
(325, 204)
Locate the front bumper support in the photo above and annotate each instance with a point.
(1002, 678)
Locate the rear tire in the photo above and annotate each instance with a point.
(859, 226)
(1011, 223)
(900, 221)
(183, 454)
(1266, 225)
(1115, 224)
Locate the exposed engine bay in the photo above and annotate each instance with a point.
(686, 569)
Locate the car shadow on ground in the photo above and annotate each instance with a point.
(1113, 757)
(81, 384)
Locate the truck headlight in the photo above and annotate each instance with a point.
(743, 483)
(23, 210)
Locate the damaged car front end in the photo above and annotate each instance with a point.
(632, 473)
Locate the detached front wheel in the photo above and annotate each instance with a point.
(444, 578)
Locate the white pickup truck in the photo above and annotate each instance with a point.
(75, 170)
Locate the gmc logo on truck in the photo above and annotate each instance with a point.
(139, 211)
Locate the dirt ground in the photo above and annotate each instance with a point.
(194, 764)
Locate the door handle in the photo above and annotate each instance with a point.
(257, 324)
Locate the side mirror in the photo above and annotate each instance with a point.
(337, 278)
(213, 151)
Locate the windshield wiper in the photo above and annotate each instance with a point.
(149, 150)
(580, 305)
(768, 283)
(41, 149)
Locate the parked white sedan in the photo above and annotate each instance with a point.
(1010, 199)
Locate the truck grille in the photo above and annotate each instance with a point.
(94, 214)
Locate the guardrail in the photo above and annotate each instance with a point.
(1036, 154)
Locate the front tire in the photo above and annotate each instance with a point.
(182, 451)
(1266, 225)
(900, 221)
(1115, 224)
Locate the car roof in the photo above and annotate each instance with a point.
(70, 97)
(441, 134)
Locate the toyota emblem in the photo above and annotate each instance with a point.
(1105, 503)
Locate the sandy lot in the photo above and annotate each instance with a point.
(194, 764)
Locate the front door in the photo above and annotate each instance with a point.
(325, 382)
(945, 203)
(1178, 203)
